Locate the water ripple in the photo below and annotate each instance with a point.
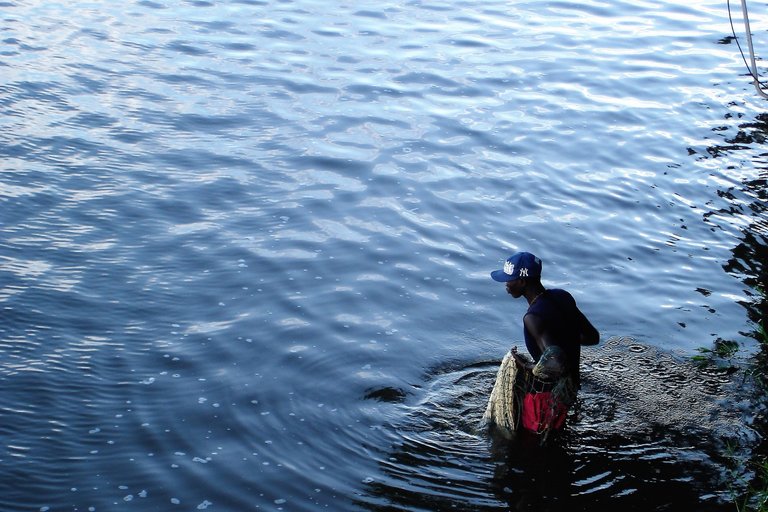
(225, 226)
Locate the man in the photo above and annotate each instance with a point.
(554, 329)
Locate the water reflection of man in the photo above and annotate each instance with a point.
(553, 326)
(530, 476)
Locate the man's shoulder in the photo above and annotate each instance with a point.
(560, 295)
(552, 302)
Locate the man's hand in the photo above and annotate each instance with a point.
(520, 361)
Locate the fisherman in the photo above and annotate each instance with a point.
(554, 329)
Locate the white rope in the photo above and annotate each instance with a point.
(753, 67)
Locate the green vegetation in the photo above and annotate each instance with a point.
(750, 477)
(755, 498)
(723, 351)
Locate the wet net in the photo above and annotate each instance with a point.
(521, 399)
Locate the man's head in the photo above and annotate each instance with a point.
(519, 265)
(519, 269)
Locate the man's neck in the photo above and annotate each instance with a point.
(533, 292)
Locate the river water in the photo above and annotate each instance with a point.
(246, 247)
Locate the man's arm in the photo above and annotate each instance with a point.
(552, 363)
(538, 330)
(588, 335)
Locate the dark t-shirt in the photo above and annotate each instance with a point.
(557, 309)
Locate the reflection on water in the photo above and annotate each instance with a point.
(749, 203)
(645, 419)
(748, 206)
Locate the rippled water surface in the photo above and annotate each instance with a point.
(245, 250)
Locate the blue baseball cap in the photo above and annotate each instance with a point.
(520, 264)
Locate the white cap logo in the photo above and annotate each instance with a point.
(509, 268)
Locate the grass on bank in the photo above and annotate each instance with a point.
(752, 496)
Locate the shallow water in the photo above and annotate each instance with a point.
(245, 245)
(649, 432)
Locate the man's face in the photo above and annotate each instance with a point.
(516, 288)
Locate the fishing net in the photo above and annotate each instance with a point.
(521, 398)
(504, 411)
